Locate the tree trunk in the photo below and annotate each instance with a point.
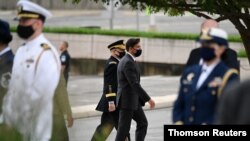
(244, 30)
(246, 42)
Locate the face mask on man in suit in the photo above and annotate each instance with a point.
(138, 51)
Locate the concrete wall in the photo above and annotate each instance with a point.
(95, 67)
(95, 47)
(89, 52)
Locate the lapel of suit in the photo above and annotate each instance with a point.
(136, 66)
(138, 71)
(129, 57)
(210, 77)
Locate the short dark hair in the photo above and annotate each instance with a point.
(132, 42)
(5, 35)
(66, 43)
(5, 39)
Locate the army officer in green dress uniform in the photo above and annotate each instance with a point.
(110, 115)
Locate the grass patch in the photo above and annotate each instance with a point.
(242, 53)
(127, 33)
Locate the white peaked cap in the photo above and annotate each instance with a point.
(28, 9)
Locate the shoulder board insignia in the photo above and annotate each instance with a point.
(45, 46)
(112, 62)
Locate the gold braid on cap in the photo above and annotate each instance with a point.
(118, 46)
(28, 15)
(24, 14)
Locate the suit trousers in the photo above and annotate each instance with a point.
(125, 118)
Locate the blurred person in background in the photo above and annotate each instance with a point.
(6, 62)
(61, 109)
(6, 59)
(65, 60)
(229, 57)
(202, 85)
(234, 105)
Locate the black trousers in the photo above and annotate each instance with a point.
(59, 131)
(125, 119)
(109, 120)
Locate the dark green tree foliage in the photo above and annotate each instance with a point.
(236, 11)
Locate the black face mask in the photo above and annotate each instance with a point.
(25, 32)
(121, 54)
(138, 53)
(207, 54)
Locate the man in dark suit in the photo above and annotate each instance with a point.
(229, 57)
(202, 85)
(131, 96)
(110, 115)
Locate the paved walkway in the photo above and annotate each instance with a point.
(86, 90)
(83, 129)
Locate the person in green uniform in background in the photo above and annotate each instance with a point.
(61, 109)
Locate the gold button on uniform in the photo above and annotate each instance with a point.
(191, 119)
(213, 92)
(192, 108)
(185, 90)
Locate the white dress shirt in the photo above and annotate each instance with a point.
(206, 71)
(131, 56)
(201, 62)
(28, 103)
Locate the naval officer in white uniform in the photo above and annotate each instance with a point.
(28, 104)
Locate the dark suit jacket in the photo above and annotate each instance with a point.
(234, 105)
(197, 106)
(229, 58)
(110, 81)
(6, 62)
(130, 94)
